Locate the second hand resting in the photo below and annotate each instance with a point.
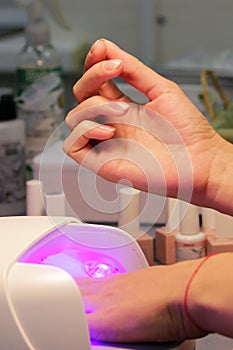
(148, 305)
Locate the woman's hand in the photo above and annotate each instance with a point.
(175, 118)
(162, 303)
(138, 145)
(142, 306)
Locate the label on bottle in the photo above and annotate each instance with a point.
(189, 251)
(12, 179)
(40, 100)
(41, 105)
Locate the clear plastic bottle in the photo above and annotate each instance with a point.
(40, 98)
(12, 157)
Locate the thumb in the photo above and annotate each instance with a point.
(105, 328)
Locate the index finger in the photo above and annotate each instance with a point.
(134, 71)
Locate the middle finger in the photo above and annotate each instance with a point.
(91, 82)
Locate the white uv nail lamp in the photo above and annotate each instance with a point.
(41, 306)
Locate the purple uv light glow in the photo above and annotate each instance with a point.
(96, 269)
(84, 263)
(73, 257)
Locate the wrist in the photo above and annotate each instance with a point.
(209, 295)
(219, 189)
(189, 328)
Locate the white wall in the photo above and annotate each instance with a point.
(194, 24)
(119, 21)
(188, 24)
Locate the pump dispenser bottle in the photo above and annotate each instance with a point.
(190, 242)
(40, 98)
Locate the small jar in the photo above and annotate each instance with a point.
(12, 157)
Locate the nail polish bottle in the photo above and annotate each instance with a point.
(190, 241)
(221, 239)
(208, 219)
(129, 221)
(165, 236)
(35, 205)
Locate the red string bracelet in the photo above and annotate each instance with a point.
(188, 287)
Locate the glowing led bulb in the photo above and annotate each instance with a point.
(95, 269)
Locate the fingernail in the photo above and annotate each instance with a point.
(107, 127)
(112, 64)
(95, 45)
(121, 106)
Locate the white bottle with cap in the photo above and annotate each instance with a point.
(190, 242)
(129, 211)
(12, 157)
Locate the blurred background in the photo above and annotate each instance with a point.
(177, 37)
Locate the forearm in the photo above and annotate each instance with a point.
(210, 295)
